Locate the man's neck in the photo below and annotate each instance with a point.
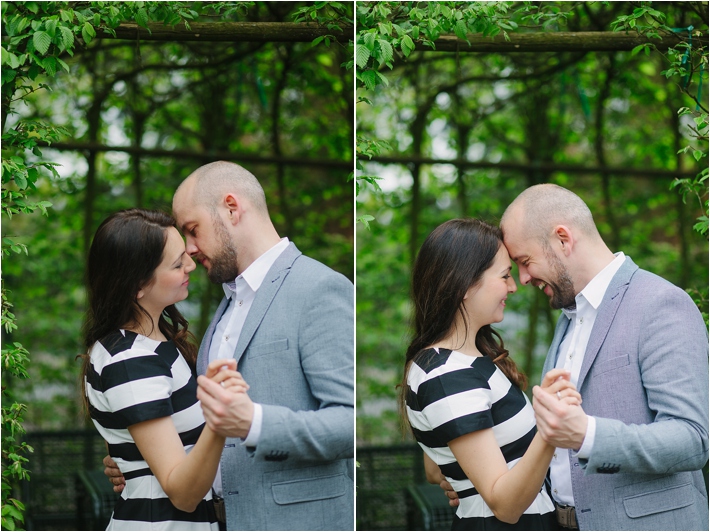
(590, 264)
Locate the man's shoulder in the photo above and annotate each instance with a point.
(647, 281)
(307, 268)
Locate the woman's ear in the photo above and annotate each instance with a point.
(140, 294)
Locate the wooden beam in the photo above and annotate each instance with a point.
(228, 32)
(581, 41)
(202, 156)
(651, 173)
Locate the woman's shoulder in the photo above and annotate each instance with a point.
(452, 369)
(123, 344)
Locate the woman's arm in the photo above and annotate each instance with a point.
(185, 477)
(509, 492)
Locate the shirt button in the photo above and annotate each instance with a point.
(555, 491)
(226, 338)
(581, 320)
(554, 456)
(240, 303)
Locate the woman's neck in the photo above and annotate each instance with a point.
(147, 327)
(462, 340)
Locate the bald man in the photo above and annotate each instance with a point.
(636, 347)
(288, 321)
(630, 457)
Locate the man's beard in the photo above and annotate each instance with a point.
(563, 294)
(224, 263)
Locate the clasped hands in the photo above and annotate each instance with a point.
(221, 391)
(560, 419)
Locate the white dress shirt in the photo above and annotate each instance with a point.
(570, 356)
(241, 293)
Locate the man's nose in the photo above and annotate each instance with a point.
(190, 247)
(523, 275)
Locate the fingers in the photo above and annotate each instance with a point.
(543, 399)
(554, 375)
(215, 366)
(444, 485)
(558, 386)
(235, 385)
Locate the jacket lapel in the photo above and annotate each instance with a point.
(203, 355)
(264, 296)
(560, 330)
(605, 315)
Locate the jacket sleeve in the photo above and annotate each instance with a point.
(326, 350)
(673, 360)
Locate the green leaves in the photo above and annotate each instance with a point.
(41, 41)
(67, 37)
(407, 45)
(362, 55)
(142, 17)
(87, 32)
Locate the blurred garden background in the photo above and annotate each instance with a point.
(461, 106)
(128, 98)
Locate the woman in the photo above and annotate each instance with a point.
(139, 379)
(462, 394)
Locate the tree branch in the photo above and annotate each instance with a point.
(650, 173)
(204, 156)
(582, 41)
(228, 32)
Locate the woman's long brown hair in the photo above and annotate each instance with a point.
(127, 248)
(451, 260)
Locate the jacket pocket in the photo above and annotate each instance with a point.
(611, 364)
(268, 348)
(659, 501)
(312, 489)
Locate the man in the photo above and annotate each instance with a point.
(288, 321)
(630, 457)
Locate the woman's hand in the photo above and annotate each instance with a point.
(556, 382)
(224, 372)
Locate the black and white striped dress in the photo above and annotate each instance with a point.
(131, 379)
(451, 394)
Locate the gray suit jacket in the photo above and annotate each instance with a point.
(296, 353)
(645, 379)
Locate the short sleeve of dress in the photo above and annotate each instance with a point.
(137, 386)
(457, 403)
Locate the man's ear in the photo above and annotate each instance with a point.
(233, 205)
(564, 240)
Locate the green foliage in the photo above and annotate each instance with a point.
(40, 36)
(684, 61)
(531, 110)
(188, 97)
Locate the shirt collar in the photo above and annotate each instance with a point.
(256, 272)
(594, 292)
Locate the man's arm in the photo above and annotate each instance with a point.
(326, 338)
(674, 369)
(114, 474)
(326, 346)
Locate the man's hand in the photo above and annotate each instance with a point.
(450, 493)
(114, 474)
(224, 372)
(557, 383)
(560, 423)
(228, 410)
